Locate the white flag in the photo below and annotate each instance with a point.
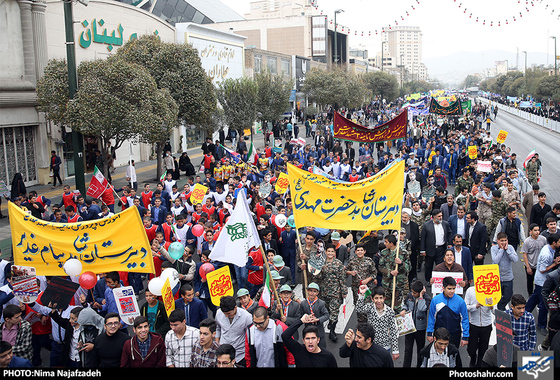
(238, 235)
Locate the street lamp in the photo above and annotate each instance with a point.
(77, 138)
(555, 57)
(382, 55)
(525, 71)
(335, 36)
(402, 74)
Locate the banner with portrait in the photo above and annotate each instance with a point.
(117, 243)
(370, 204)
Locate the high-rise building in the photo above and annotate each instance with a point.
(402, 45)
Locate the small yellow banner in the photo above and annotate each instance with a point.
(198, 193)
(118, 243)
(487, 284)
(282, 183)
(502, 135)
(473, 152)
(167, 297)
(219, 284)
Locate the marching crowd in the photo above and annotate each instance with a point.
(455, 216)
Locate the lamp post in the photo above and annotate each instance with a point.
(525, 70)
(382, 55)
(77, 138)
(555, 57)
(335, 36)
(402, 73)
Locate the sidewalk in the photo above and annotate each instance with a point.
(145, 172)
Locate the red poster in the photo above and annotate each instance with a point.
(394, 129)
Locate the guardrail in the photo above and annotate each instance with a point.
(542, 121)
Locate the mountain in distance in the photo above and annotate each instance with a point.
(452, 69)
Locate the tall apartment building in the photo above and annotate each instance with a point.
(402, 45)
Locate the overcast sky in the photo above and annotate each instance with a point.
(446, 27)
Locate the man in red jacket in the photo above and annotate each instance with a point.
(144, 349)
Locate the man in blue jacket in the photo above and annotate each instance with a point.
(194, 308)
(449, 310)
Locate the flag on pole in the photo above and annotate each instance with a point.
(252, 156)
(238, 235)
(98, 184)
(162, 178)
(531, 154)
(265, 297)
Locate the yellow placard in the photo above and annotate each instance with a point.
(487, 284)
(167, 297)
(219, 284)
(282, 183)
(118, 243)
(198, 193)
(371, 204)
(502, 135)
(473, 152)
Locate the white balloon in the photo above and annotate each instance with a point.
(156, 285)
(173, 276)
(73, 267)
(280, 220)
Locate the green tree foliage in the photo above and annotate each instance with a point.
(382, 84)
(337, 87)
(273, 96)
(238, 98)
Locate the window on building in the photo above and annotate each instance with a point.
(258, 63)
(285, 66)
(272, 65)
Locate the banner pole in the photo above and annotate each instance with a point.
(270, 277)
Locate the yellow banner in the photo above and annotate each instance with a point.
(487, 284)
(167, 297)
(118, 243)
(219, 284)
(198, 193)
(502, 135)
(370, 204)
(473, 152)
(282, 183)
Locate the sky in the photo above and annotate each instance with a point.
(450, 25)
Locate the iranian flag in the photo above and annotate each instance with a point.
(265, 297)
(252, 156)
(98, 184)
(531, 154)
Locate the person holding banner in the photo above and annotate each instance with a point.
(391, 256)
(480, 327)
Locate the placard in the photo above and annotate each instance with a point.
(126, 303)
(487, 284)
(484, 166)
(219, 284)
(198, 193)
(473, 152)
(59, 293)
(438, 277)
(167, 297)
(24, 284)
(501, 138)
(405, 324)
(504, 338)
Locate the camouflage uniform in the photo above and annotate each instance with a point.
(532, 170)
(365, 267)
(499, 211)
(386, 265)
(483, 211)
(308, 253)
(462, 182)
(332, 281)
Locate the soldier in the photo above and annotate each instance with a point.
(387, 267)
(363, 272)
(332, 281)
(499, 211)
(311, 254)
(532, 169)
(465, 181)
(484, 209)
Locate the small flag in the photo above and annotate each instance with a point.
(162, 178)
(252, 157)
(265, 297)
(234, 156)
(531, 154)
(98, 184)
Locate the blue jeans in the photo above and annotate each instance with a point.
(537, 299)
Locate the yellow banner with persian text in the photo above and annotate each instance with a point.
(370, 204)
(118, 243)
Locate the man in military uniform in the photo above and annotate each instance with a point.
(465, 181)
(387, 267)
(363, 271)
(332, 281)
(532, 170)
(308, 253)
(499, 211)
(484, 209)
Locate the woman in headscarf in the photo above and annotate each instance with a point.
(18, 187)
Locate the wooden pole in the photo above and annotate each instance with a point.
(396, 267)
(270, 277)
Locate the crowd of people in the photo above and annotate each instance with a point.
(455, 216)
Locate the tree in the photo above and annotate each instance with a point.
(548, 88)
(178, 69)
(273, 96)
(238, 98)
(337, 87)
(115, 100)
(382, 84)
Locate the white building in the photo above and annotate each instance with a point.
(402, 45)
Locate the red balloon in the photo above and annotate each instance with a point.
(204, 269)
(198, 230)
(87, 280)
